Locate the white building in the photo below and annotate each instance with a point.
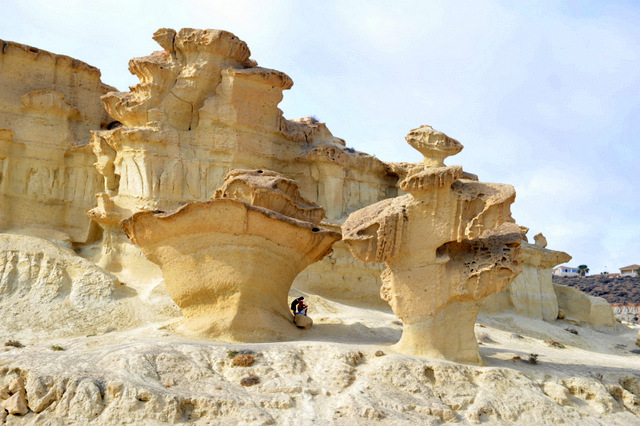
(630, 270)
(566, 271)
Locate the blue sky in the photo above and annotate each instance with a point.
(543, 95)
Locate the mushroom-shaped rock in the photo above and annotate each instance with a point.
(447, 245)
(434, 145)
(229, 264)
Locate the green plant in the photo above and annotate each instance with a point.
(57, 348)
(232, 353)
(583, 270)
(14, 343)
(533, 358)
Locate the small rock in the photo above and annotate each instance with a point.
(16, 385)
(303, 321)
(16, 405)
(561, 314)
(379, 353)
(572, 321)
(4, 393)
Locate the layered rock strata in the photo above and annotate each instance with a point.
(447, 244)
(48, 105)
(229, 262)
(46, 290)
(201, 109)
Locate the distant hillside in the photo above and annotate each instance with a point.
(614, 290)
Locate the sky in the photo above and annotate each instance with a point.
(544, 95)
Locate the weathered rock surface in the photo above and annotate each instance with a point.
(46, 289)
(531, 294)
(447, 245)
(541, 241)
(48, 105)
(580, 308)
(167, 380)
(203, 108)
(229, 264)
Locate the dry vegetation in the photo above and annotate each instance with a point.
(612, 289)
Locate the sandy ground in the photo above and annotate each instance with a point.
(344, 371)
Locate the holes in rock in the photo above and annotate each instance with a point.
(314, 229)
(114, 125)
(259, 171)
(144, 397)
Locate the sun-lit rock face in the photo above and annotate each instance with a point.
(229, 264)
(48, 105)
(582, 309)
(531, 294)
(203, 108)
(448, 244)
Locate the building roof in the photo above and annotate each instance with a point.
(631, 267)
(567, 267)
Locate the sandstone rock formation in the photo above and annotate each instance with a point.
(48, 105)
(13, 398)
(229, 263)
(531, 294)
(47, 290)
(541, 241)
(201, 109)
(582, 309)
(447, 245)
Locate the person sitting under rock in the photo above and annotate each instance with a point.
(294, 304)
(302, 307)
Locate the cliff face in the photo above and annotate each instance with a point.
(48, 105)
(83, 344)
(201, 109)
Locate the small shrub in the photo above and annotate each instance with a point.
(250, 380)
(231, 353)
(57, 348)
(485, 338)
(554, 343)
(516, 358)
(14, 343)
(243, 360)
(533, 358)
(572, 330)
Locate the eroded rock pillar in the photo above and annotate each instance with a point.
(448, 244)
(229, 263)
